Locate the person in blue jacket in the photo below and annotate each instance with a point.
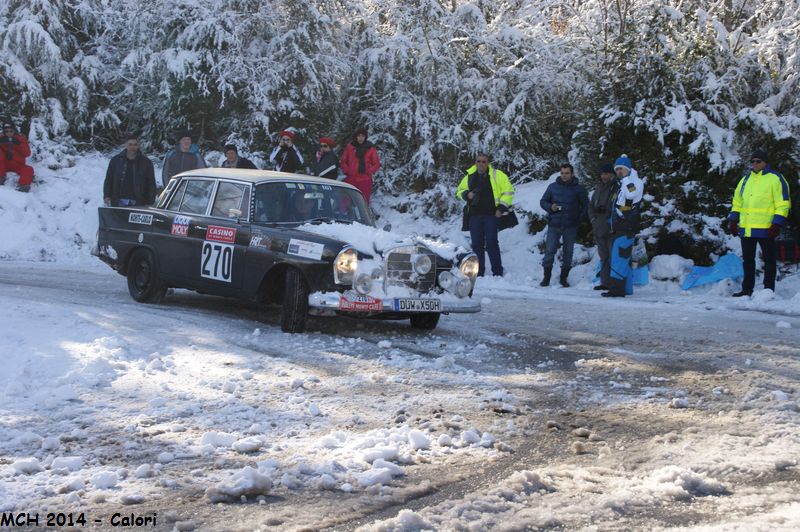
(625, 224)
(565, 202)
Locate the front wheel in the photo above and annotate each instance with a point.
(144, 283)
(295, 303)
(427, 321)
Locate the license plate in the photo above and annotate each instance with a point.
(417, 305)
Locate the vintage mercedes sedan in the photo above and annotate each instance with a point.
(309, 244)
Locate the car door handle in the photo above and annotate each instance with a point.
(201, 227)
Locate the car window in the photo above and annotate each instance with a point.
(175, 202)
(292, 202)
(230, 200)
(196, 196)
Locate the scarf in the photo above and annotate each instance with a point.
(361, 152)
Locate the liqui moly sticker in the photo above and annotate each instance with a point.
(303, 248)
(217, 233)
(180, 226)
(139, 218)
(355, 303)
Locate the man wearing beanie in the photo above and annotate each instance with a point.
(760, 208)
(327, 164)
(625, 221)
(600, 207)
(286, 157)
(232, 159)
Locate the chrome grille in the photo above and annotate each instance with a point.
(400, 271)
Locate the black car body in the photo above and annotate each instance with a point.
(278, 237)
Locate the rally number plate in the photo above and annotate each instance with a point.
(417, 305)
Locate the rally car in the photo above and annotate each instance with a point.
(307, 243)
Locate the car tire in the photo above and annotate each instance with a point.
(426, 321)
(144, 283)
(295, 303)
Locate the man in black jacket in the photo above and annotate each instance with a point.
(130, 179)
(601, 206)
(232, 159)
(565, 203)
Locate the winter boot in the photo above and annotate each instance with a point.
(23, 188)
(563, 280)
(546, 278)
(2, 180)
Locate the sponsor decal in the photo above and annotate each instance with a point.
(356, 303)
(180, 227)
(217, 233)
(140, 218)
(260, 241)
(303, 248)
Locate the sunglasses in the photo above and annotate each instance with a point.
(756, 161)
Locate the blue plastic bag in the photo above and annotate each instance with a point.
(727, 267)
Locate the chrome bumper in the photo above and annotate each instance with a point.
(329, 301)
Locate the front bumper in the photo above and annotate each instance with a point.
(331, 301)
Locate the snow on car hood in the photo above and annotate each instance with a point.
(367, 239)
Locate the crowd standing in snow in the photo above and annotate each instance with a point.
(15, 150)
(130, 178)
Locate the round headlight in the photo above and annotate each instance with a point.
(363, 283)
(377, 274)
(463, 287)
(446, 280)
(422, 264)
(469, 267)
(344, 267)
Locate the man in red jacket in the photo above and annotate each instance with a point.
(14, 150)
(360, 162)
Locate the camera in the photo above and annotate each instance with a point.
(558, 208)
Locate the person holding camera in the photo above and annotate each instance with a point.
(286, 157)
(488, 193)
(600, 206)
(14, 149)
(565, 202)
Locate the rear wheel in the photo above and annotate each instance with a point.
(427, 321)
(295, 303)
(144, 283)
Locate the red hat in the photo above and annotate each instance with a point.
(328, 141)
(287, 133)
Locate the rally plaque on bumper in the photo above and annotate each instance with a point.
(417, 305)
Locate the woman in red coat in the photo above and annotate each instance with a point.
(360, 162)
(14, 150)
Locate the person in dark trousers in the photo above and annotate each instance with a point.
(286, 157)
(327, 164)
(759, 210)
(601, 205)
(625, 222)
(232, 159)
(360, 162)
(185, 157)
(14, 149)
(565, 202)
(130, 179)
(488, 193)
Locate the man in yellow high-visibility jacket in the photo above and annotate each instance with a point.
(760, 208)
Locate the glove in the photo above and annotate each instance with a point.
(733, 228)
(774, 230)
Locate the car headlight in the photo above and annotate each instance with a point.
(463, 287)
(469, 267)
(446, 280)
(363, 283)
(422, 264)
(377, 275)
(344, 267)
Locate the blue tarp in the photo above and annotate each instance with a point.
(727, 267)
(640, 277)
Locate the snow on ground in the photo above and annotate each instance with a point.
(582, 410)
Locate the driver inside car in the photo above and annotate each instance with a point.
(303, 206)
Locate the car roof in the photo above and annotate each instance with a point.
(259, 176)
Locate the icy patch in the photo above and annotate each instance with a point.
(105, 480)
(679, 483)
(26, 466)
(246, 483)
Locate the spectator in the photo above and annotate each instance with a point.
(130, 179)
(565, 203)
(327, 164)
(625, 221)
(600, 207)
(286, 157)
(15, 150)
(232, 159)
(185, 157)
(488, 193)
(360, 162)
(757, 216)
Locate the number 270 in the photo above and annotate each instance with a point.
(217, 261)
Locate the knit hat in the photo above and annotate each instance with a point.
(7, 124)
(760, 154)
(287, 133)
(328, 141)
(183, 133)
(623, 161)
(229, 147)
(607, 168)
(360, 131)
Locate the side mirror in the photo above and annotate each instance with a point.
(387, 227)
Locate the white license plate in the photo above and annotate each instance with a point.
(417, 305)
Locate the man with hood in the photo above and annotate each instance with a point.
(14, 149)
(130, 179)
(759, 210)
(286, 157)
(360, 162)
(185, 157)
(601, 205)
(565, 202)
(327, 164)
(625, 222)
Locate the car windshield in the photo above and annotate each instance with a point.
(296, 203)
